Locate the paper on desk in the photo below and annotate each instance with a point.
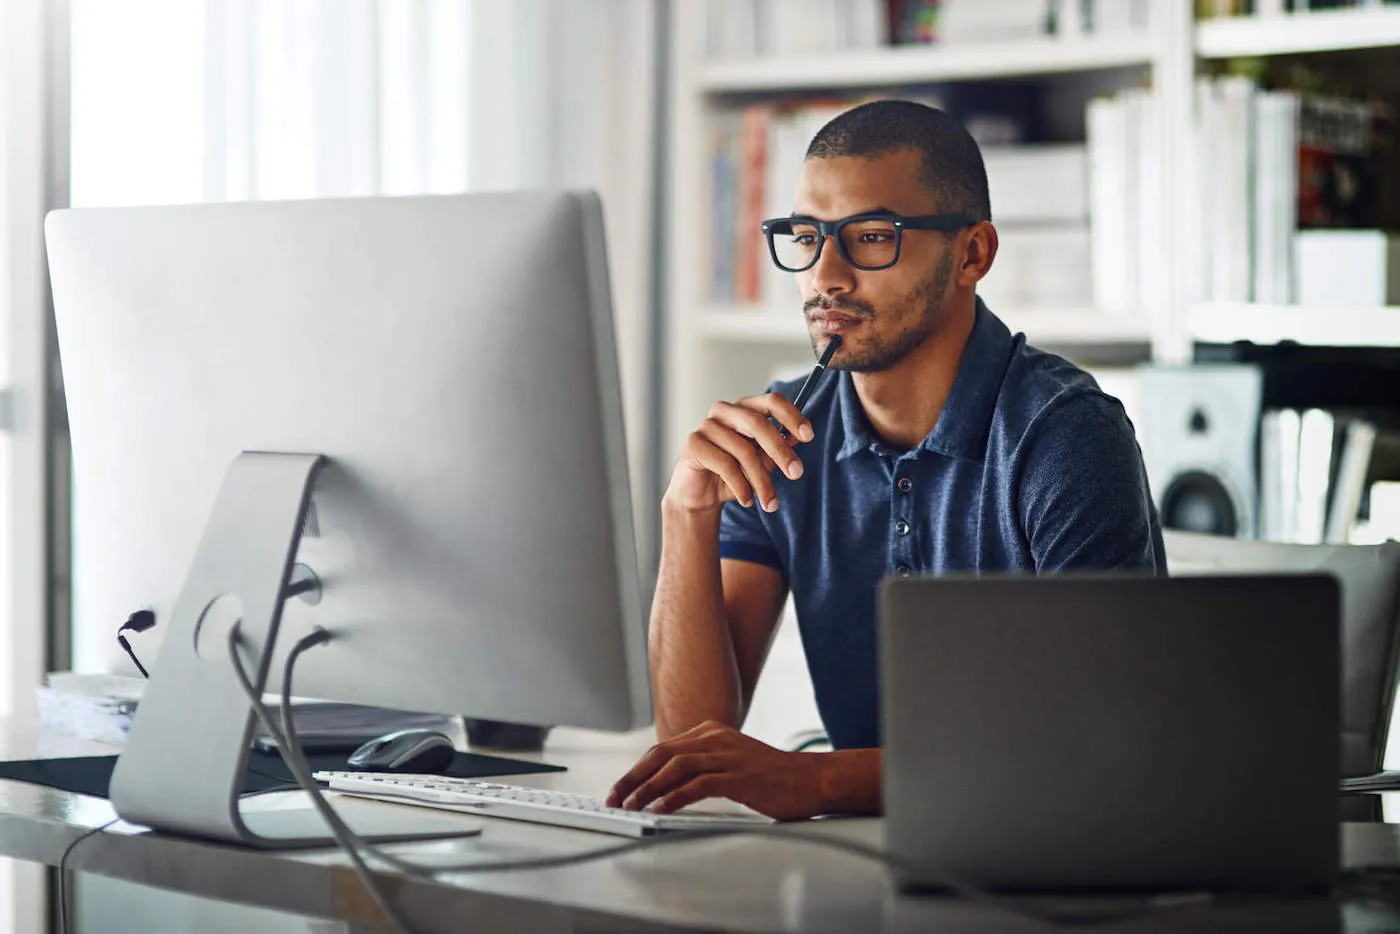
(101, 707)
(96, 707)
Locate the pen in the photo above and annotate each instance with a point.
(810, 385)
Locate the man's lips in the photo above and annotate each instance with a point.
(831, 322)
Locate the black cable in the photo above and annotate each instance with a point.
(353, 845)
(139, 621)
(1366, 885)
(72, 847)
(296, 762)
(1354, 884)
(273, 778)
(144, 619)
(63, 873)
(121, 640)
(1377, 885)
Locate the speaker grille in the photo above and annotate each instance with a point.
(1198, 502)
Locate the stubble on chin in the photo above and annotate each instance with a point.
(922, 309)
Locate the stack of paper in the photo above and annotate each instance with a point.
(1040, 199)
(962, 21)
(101, 707)
(762, 28)
(330, 718)
(97, 707)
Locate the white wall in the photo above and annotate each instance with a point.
(179, 101)
(197, 100)
(137, 102)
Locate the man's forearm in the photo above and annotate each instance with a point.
(850, 781)
(694, 675)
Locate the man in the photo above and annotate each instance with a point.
(941, 443)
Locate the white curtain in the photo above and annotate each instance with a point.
(33, 115)
(325, 98)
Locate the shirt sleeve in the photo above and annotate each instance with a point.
(744, 537)
(1084, 497)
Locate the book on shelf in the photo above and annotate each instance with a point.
(1125, 171)
(1350, 485)
(1313, 469)
(756, 153)
(1382, 521)
(747, 29)
(1040, 202)
(1276, 195)
(1216, 9)
(1336, 162)
(960, 22)
(1315, 445)
(1039, 183)
(756, 156)
(740, 29)
(1265, 164)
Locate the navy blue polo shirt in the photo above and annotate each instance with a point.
(1030, 468)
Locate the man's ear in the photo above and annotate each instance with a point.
(978, 253)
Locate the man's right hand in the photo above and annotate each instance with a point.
(733, 453)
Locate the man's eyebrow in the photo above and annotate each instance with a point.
(874, 210)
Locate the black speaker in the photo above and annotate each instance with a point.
(1199, 434)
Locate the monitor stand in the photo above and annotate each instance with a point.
(181, 769)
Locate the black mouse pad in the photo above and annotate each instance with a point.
(92, 775)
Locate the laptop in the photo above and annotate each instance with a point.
(1112, 733)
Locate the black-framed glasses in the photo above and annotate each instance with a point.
(865, 241)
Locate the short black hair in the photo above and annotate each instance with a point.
(952, 163)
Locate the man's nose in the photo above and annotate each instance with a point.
(832, 274)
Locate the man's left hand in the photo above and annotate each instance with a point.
(713, 760)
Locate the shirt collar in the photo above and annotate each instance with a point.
(962, 426)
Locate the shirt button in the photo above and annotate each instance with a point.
(902, 570)
(901, 527)
(905, 484)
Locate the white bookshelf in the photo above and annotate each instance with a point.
(918, 64)
(1054, 328)
(1049, 328)
(724, 351)
(721, 351)
(718, 351)
(1221, 323)
(1292, 33)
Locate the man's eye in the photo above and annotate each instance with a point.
(877, 236)
(805, 239)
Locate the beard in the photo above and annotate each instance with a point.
(922, 309)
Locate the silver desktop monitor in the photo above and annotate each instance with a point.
(410, 403)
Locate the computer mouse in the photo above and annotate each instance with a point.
(421, 752)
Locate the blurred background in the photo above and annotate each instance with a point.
(1198, 201)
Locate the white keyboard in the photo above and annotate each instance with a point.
(559, 808)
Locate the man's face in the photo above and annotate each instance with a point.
(883, 315)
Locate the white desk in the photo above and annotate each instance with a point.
(722, 885)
